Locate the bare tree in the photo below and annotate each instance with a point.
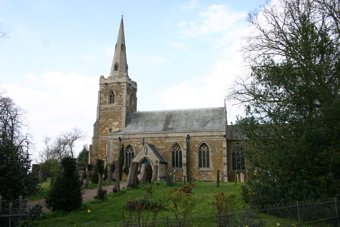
(15, 176)
(62, 146)
(70, 138)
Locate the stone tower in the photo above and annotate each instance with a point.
(116, 99)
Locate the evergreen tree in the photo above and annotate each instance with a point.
(121, 161)
(15, 176)
(66, 191)
(83, 158)
(292, 102)
(100, 170)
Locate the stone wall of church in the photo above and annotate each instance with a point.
(164, 144)
(111, 116)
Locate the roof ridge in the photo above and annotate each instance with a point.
(182, 110)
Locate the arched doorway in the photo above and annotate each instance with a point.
(145, 171)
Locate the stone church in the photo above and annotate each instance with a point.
(189, 143)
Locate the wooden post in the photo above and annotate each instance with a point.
(336, 210)
(298, 211)
(218, 178)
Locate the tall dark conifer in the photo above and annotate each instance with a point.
(66, 191)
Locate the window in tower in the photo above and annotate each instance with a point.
(111, 97)
(115, 67)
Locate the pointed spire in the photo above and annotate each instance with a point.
(119, 66)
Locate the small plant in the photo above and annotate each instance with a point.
(141, 209)
(101, 194)
(182, 203)
(224, 205)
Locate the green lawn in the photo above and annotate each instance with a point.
(110, 211)
(44, 189)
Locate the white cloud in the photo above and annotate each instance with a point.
(55, 102)
(216, 18)
(210, 89)
(190, 4)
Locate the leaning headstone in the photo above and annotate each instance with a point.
(116, 176)
(132, 179)
(109, 172)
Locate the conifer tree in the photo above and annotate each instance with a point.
(66, 191)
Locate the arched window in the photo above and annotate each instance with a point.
(111, 97)
(237, 154)
(176, 156)
(115, 67)
(203, 156)
(129, 155)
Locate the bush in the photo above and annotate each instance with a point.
(50, 167)
(182, 203)
(94, 177)
(66, 191)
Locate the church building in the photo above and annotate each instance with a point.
(189, 143)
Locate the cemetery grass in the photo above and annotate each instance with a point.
(110, 211)
(44, 189)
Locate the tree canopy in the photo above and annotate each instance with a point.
(15, 176)
(292, 100)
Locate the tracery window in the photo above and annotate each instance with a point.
(203, 156)
(176, 156)
(129, 155)
(238, 161)
(111, 97)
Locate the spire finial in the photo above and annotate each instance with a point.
(119, 64)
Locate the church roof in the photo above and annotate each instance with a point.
(157, 153)
(189, 120)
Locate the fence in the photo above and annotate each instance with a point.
(16, 213)
(307, 213)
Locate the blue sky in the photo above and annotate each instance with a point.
(182, 54)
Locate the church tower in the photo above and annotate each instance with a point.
(116, 99)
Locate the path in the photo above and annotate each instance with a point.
(88, 194)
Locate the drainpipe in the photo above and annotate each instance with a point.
(187, 140)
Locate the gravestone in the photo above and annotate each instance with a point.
(132, 180)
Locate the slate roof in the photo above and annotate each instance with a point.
(189, 120)
(157, 153)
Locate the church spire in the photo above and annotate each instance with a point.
(119, 66)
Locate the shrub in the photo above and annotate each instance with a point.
(94, 177)
(182, 203)
(100, 170)
(141, 209)
(66, 191)
(224, 205)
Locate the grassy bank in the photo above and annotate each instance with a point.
(110, 211)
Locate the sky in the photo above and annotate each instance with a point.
(182, 54)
